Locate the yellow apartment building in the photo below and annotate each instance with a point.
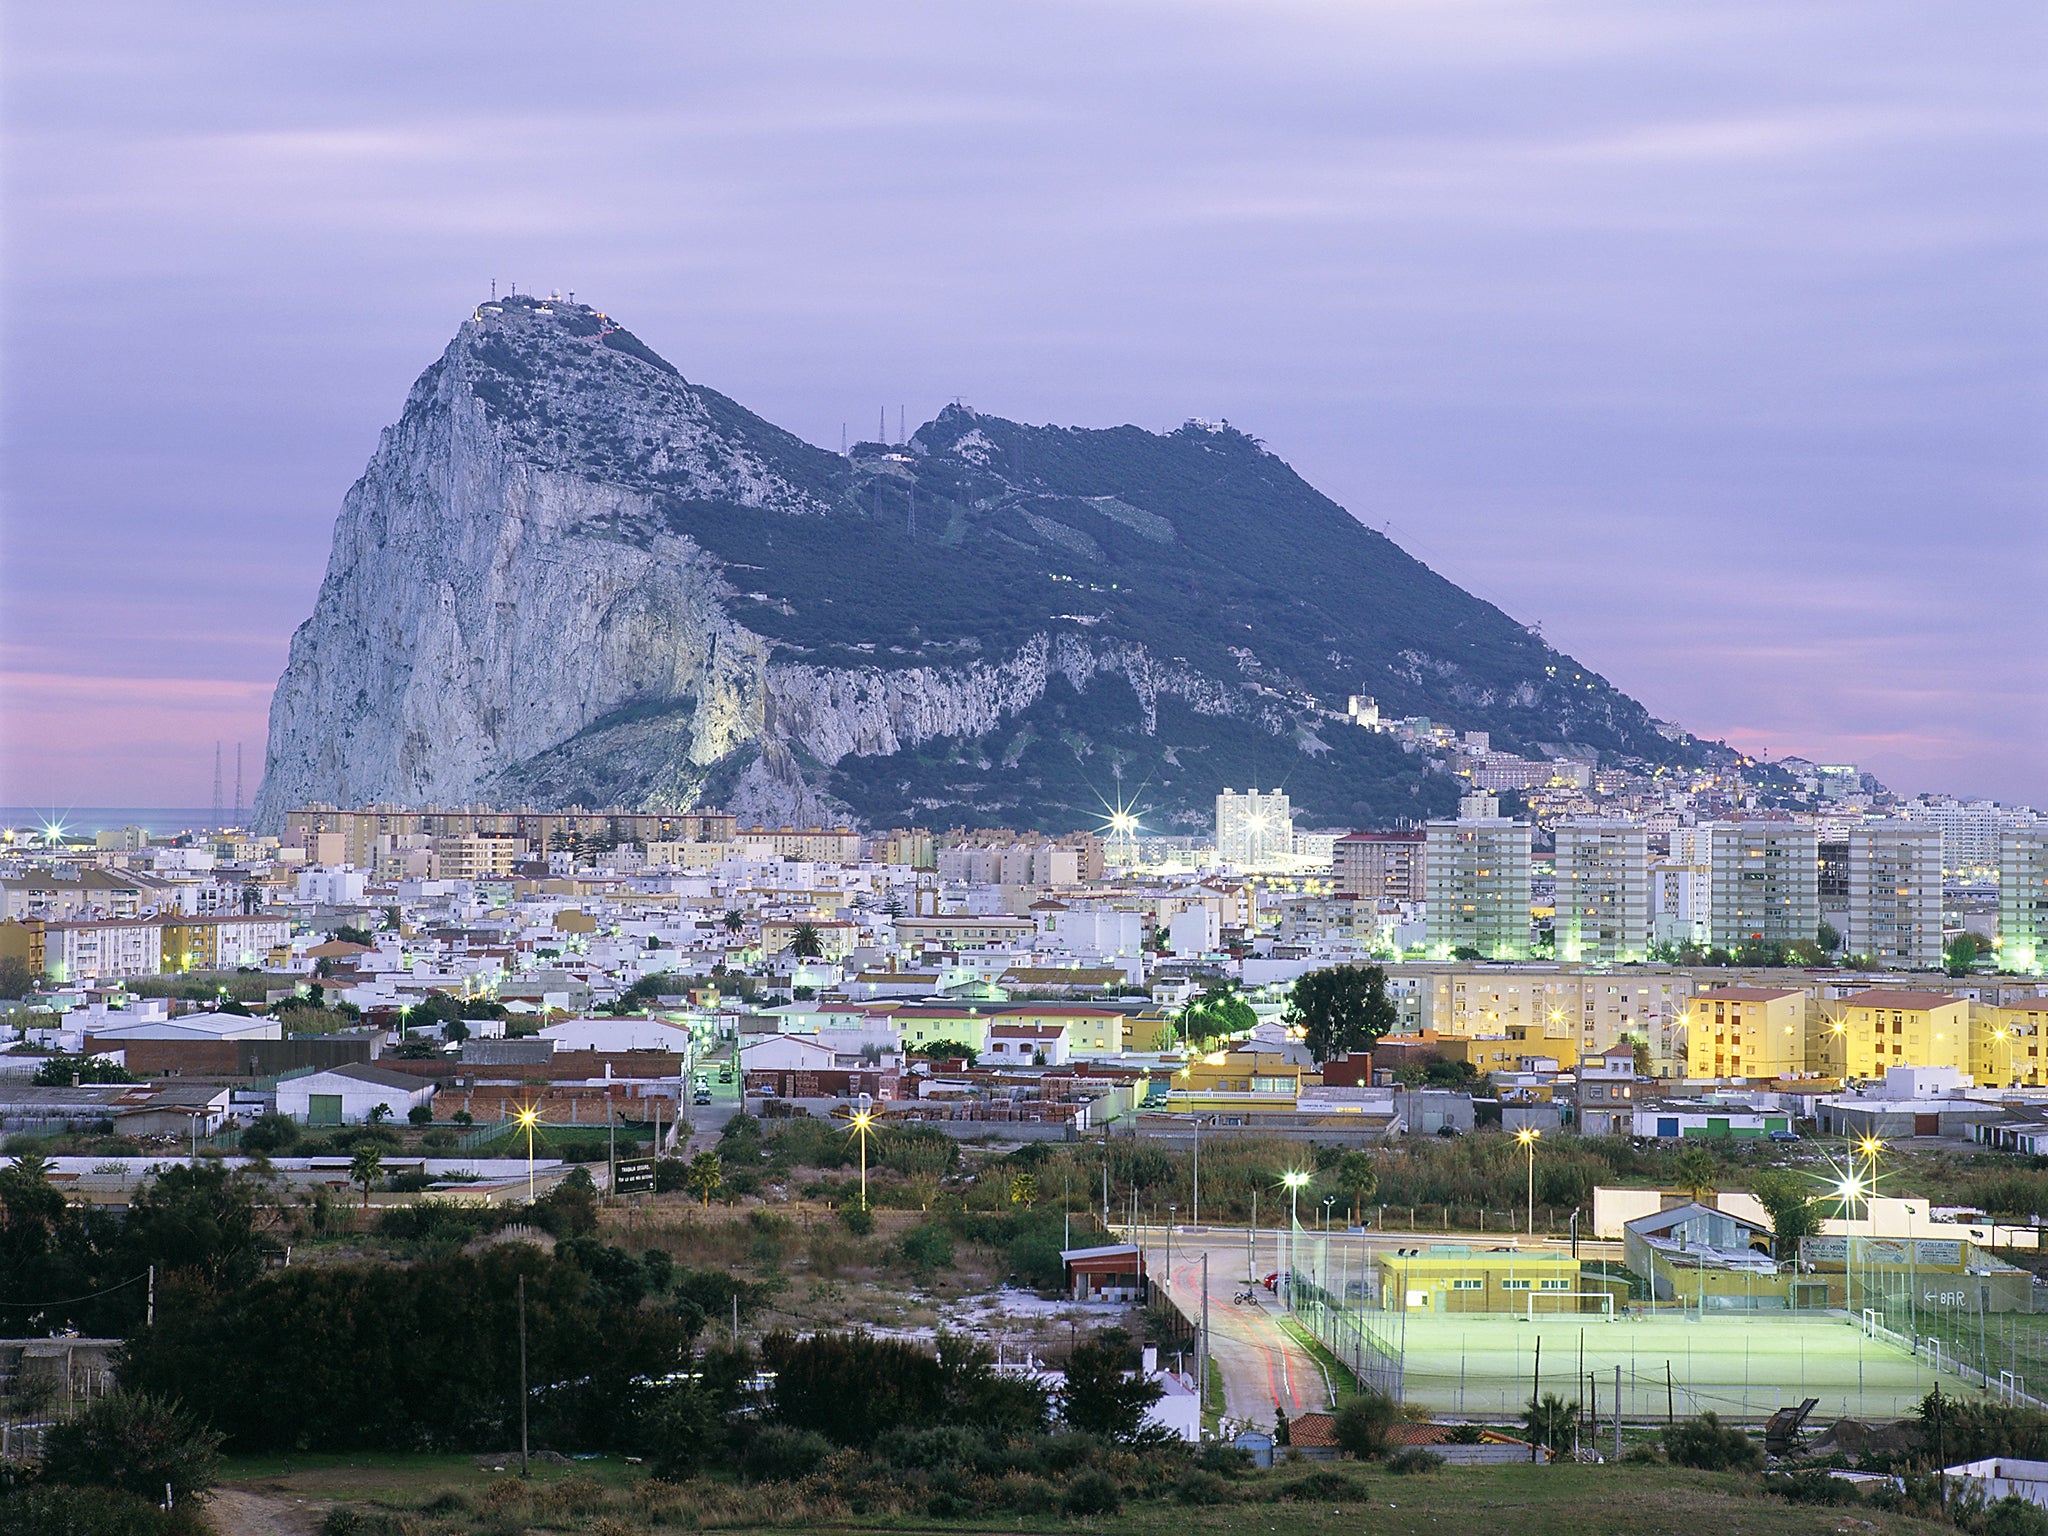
(1868, 1032)
(2006, 1043)
(1746, 1032)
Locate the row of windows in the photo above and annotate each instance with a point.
(1512, 1285)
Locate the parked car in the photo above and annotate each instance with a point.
(1784, 1136)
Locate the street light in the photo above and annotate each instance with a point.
(1527, 1137)
(861, 1124)
(1293, 1179)
(527, 1116)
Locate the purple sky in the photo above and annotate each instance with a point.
(1710, 336)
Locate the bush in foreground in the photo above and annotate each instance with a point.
(137, 1444)
(1709, 1445)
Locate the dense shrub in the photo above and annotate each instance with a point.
(1324, 1483)
(1711, 1446)
(378, 1356)
(1362, 1424)
(1092, 1493)
(776, 1453)
(137, 1444)
(1197, 1486)
(926, 1248)
(1811, 1486)
(65, 1511)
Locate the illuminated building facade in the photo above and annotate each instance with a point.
(1477, 875)
(1254, 830)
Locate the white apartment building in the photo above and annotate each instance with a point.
(1603, 891)
(2023, 900)
(1254, 830)
(1477, 875)
(1680, 896)
(1764, 883)
(1092, 932)
(1895, 894)
(1970, 832)
(1592, 1010)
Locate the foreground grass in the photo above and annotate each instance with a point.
(450, 1496)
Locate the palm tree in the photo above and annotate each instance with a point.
(1696, 1171)
(734, 922)
(705, 1176)
(807, 945)
(366, 1168)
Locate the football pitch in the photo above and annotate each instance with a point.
(1747, 1368)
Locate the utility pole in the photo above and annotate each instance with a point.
(1202, 1371)
(149, 1316)
(522, 1376)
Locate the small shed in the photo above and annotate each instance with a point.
(1257, 1444)
(1108, 1273)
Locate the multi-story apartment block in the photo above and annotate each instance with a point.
(479, 857)
(1970, 832)
(1868, 1032)
(1895, 895)
(1579, 1011)
(1746, 1032)
(2006, 1043)
(1477, 875)
(2023, 900)
(85, 949)
(1681, 896)
(1254, 830)
(1381, 866)
(222, 943)
(358, 831)
(1764, 883)
(1603, 891)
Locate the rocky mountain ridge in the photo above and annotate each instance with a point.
(570, 576)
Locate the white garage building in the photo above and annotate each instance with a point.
(347, 1095)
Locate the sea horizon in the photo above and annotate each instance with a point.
(155, 820)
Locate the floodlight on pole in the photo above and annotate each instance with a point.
(1527, 1136)
(1294, 1179)
(527, 1117)
(862, 1122)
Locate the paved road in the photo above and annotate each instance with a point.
(1262, 1364)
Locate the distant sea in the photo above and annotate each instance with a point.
(155, 819)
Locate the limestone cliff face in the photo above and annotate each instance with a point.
(480, 608)
(570, 576)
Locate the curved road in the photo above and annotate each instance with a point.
(1261, 1364)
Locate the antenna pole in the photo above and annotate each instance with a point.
(216, 786)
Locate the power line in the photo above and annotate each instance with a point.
(36, 1306)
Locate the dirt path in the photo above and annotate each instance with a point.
(245, 1512)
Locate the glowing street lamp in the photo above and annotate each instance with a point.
(528, 1116)
(1527, 1137)
(862, 1125)
(1294, 1179)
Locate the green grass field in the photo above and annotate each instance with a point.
(1485, 1365)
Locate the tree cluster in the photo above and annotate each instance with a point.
(1345, 1008)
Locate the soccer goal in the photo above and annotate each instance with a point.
(1570, 1303)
